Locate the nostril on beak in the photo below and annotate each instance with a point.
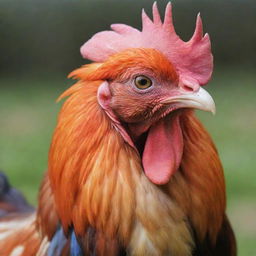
(189, 86)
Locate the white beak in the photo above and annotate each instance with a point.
(199, 100)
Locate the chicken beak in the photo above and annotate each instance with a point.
(200, 99)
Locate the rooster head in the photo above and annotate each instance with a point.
(147, 78)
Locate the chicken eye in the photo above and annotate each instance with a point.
(142, 82)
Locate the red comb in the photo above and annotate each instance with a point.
(193, 59)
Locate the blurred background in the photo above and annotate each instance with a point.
(39, 46)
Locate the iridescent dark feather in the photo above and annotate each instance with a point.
(57, 243)
(225, 244)
(75, 248)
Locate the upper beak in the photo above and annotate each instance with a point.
(200, 99)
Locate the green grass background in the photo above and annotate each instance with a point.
(28, 115)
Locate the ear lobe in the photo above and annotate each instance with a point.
(104, 95)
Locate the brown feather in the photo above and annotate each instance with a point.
(203, 174)
(47, 219)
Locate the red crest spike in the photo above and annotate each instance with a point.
(168, 23)
(156, 15)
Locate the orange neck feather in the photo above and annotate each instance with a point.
(89, 165)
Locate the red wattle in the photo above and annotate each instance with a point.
(163, 150)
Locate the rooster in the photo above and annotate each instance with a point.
(131, 170)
